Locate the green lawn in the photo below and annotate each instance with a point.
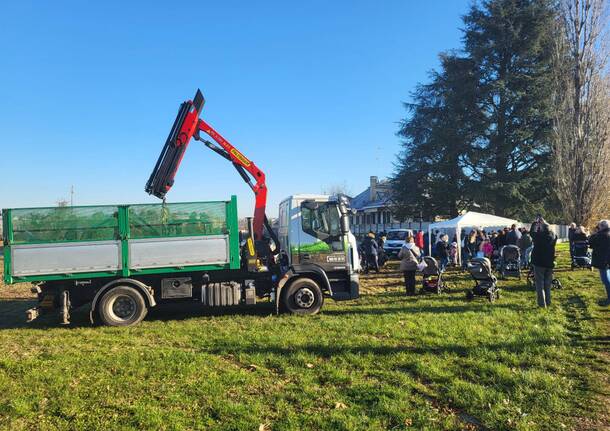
(382, 362)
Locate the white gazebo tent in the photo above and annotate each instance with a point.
(469, 219)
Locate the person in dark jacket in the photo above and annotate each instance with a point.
(371, 251)
(501, 240)
(433, 240)
(442, 251)
(600, 259)
(543, 260)
(382, 257)
(580, 234)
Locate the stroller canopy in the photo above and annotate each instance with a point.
(469, 219)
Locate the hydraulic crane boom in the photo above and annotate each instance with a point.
(188, 125)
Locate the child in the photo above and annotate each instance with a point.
(487, 248)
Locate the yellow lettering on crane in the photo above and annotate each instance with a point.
(239, 156)
(250, 246)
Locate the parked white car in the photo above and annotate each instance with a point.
(395, 238)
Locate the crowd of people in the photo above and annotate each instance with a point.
(599, 242)
(536, 245)
(480, 243)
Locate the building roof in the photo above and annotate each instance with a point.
(363, 200)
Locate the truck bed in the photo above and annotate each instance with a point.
(59, 243)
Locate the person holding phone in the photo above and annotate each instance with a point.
(543, 259)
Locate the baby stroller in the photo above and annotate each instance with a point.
(480, 270)
(432, 277)
(509, 263)
(581, 258)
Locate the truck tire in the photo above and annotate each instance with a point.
(122, 306)
(303, 296)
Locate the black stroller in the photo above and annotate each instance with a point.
(480, 270)
(581, 258)
(432, 277)
(509, 264)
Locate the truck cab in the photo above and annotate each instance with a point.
(316, 242)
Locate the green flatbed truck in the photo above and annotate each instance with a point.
(125, 259)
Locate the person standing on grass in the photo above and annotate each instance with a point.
(600, 243)
(571, 232)
(525, 247)
(543, 259)
(442, 251)
(371, 250)
(409, 255)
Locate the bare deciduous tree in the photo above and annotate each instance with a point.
(581, 121)
(340, 188)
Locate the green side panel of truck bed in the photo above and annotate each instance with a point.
(123, 234)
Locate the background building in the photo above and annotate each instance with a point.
(374, 210)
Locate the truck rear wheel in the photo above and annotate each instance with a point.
(122, 306)
(303, 296)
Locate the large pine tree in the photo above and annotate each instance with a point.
(478, 135)
(510, 43)
(430, 178)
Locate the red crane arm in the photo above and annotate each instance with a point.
(188, 125)
(239, 160)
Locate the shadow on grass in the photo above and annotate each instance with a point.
(337, 350)
(416, 308)
(12, 313)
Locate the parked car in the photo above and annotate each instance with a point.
(395, 239)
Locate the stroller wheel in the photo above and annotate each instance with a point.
(469, 295)
(491, 296)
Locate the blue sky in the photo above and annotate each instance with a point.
(311, 91)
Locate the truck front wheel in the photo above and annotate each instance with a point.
(122, 306)
(303, 296)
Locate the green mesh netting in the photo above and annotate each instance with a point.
(178, 219)
(61, 224)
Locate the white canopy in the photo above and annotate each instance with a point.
(468, 219)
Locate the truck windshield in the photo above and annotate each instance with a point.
(322, 222)
(397, 235)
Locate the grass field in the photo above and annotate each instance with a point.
(382, 362)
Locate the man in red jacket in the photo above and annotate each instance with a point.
(419, 239)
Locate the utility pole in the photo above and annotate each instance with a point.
(72, 195)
